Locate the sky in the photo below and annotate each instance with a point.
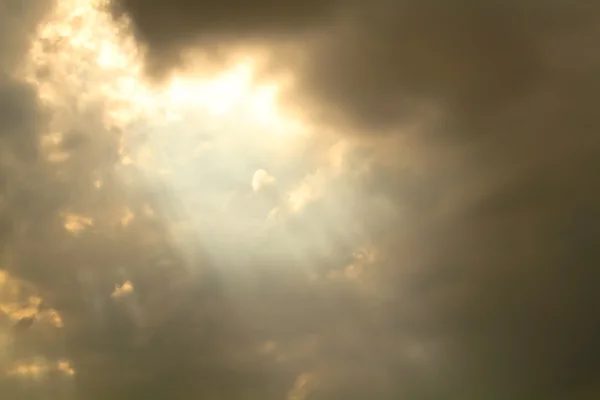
(299, 200)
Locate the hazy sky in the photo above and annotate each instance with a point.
(299, 200)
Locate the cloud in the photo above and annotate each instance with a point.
(122, 290)
(489, 109)
(260, 179)
(443, 244)
(383, 63)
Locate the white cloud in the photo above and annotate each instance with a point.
(261, 179)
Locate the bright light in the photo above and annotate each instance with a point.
(208, 139)
(99, 62)
(204, 131)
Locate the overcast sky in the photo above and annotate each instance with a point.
(426, 228)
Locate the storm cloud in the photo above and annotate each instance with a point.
(450, 252)
(493, 258)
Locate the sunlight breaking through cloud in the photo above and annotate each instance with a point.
(214, 126)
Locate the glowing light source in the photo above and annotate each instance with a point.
(89, 43)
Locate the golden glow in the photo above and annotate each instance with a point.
(122, 290)
(52, 317)
(76, 224)
(65, 366)
(38, 368)
(91, 59)
(17, 312)
(17, 302)
(91, 65)
(33, 369)
(217, 95)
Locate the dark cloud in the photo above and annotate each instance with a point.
(383, 62)
(478, 274)
(20, 114)
(492, 257)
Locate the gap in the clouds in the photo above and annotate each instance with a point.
(193, 165)
(137, 186)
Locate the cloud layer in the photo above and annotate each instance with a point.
(492, 260)
(441, 243)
